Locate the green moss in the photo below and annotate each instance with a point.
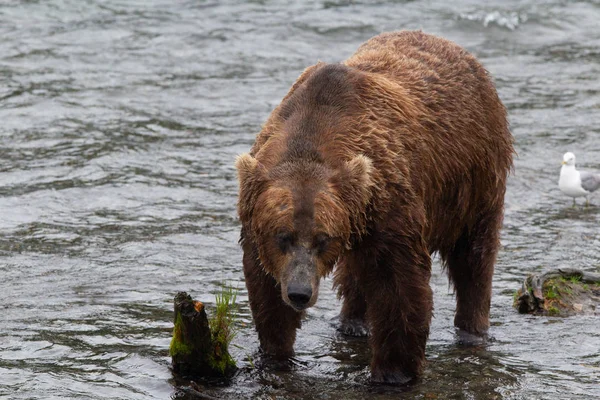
(553, 310)
(222, 363)
(567, 290)
(551, 290)
(177, 346)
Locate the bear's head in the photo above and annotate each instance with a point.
(301, 216)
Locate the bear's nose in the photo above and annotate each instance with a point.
(299, 294)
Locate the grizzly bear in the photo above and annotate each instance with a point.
(368, 167)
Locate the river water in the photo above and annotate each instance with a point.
(119, 124)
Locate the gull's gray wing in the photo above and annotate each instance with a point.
(589, 181)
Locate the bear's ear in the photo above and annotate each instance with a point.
(354, 182)
(250, 180)
(359, 171)
(246, 166)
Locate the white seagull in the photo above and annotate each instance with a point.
(576, 183)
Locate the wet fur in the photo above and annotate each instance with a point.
(398, 152)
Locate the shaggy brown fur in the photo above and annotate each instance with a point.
(372, 165)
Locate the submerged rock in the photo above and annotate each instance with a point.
(560, 292)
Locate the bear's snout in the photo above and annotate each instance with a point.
(299, 294)
(300, 283)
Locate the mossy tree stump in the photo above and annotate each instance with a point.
(199, 347)
(560, 292)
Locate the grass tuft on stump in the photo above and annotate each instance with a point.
(222, 329)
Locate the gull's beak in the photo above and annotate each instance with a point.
(564, 162)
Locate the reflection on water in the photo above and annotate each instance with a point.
(120, 122)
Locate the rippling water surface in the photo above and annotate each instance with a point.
(119, 124)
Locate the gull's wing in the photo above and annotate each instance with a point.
(589, 181)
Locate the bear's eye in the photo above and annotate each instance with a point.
(321, 241)
(284, 241)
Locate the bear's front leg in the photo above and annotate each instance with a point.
(354, 306)
(399, 307)
(275, 321)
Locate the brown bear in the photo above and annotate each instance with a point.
(368, 167)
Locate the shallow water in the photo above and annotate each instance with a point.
(119, 124)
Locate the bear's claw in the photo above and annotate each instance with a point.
(471, 339)
(390, 377)
(354, 327)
